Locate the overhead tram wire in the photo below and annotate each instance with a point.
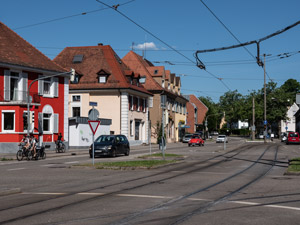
(199, 62)
(67, 17)
(230, 32)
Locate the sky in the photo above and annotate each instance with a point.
(169, 32)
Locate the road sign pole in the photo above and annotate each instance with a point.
(93, 150)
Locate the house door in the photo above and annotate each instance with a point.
(137, 130)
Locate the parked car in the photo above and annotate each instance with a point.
(186, 138)
(196, 140)
(110, 145)
(222, 139)
(293, 138)
(214, 133)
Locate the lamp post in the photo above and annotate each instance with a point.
(71, 73)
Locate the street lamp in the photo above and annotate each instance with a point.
(72, 76)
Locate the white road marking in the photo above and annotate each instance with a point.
(167, 197)
(15, 169)
(143, 196)
(71, 162)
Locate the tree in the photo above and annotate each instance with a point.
(213, 118)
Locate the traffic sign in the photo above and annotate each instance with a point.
(93, 104)
(94, 124)
(93, 114)
(265, 122)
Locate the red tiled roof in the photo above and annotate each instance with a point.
(15, 50)
(95, 59)
(156, 71)
(139, 65)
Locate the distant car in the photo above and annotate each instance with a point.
(214, 133)
(293, 138)
(196, 140)
(222, 139)
(110, 145)
(186, 138)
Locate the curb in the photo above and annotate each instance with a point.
(9, 191)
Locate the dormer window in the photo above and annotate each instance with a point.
(102, 76)
(102, 79)
(76, 79)
(155, 71)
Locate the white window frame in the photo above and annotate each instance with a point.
(50, 123)
(54, 84)
(131, 127)
(2, 121)
(102, 79)
(76, 96)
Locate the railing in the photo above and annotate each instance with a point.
(18, 96)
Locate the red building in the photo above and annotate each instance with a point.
(20, 64)
(196, 111)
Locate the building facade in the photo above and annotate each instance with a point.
(103, 78)
(26, 71)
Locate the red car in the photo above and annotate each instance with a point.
(293, 138)
(196, 140)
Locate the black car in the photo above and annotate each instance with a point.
(110, 145)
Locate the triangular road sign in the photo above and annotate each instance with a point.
(94, 124)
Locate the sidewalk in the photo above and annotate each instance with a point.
(80, 151)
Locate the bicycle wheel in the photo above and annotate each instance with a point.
(44, 155)
(29, 155)
(63, 148)
(19, 155)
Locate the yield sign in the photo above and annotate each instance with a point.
(94, 124)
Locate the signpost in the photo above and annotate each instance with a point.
(94, 124)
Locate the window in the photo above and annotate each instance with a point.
(8, 121)
(46, 122)
(130, 102)
(138, 104)
(163, 83)
(169, 86)
(102, 79)
(77, 58)
(142, 80)
(155, 71)
(47, 86)
(131, 127)
(76, 98)
(14, 80)
(76, 111)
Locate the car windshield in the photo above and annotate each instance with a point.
(195, 136)
(221, 136)
(188, 135)
(293, 134)
(105, 139)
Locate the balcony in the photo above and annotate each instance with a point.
(18, 97)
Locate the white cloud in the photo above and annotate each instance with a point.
(146, 45)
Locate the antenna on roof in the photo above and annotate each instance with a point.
(132, 46)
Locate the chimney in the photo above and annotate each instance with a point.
(100, 44)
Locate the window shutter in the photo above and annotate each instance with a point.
(40, 123)
(55, 82)
(24, 86)
(41, 86)
(55, 127)
(6, 85)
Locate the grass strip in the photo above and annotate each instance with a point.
(294, 165)
(146, 164)
(6, 159)
(159, 155)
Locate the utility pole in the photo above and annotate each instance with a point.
(253, 119)
(265, 101)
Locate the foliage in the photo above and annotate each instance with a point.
(213, 114)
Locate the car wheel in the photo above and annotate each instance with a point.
(189, 145)
(126, 153)
(113, 154)
(203, 144)
(287, 143)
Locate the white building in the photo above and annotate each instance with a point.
(290, 123)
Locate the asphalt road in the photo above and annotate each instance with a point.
(243, 184)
